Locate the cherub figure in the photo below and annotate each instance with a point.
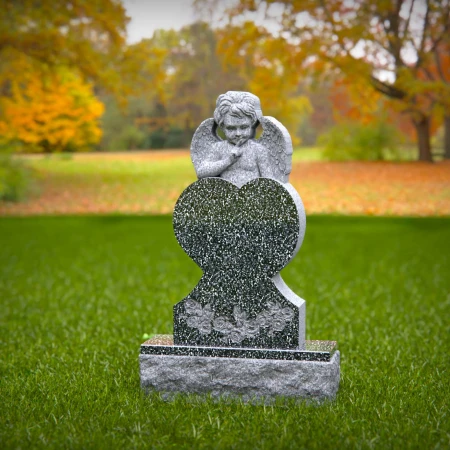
(241, 158)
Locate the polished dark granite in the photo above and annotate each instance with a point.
(241, 238)
(162, 344)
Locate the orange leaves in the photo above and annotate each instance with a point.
(352, 100)
(50, 111)
(380, 45)
(377, 188)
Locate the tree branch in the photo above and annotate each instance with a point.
(387, 89)
(439, 67)
(422, 41)
(408, 20)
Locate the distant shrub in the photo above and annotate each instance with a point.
(353, 141)
(169, 138)
(157, 139)
(16, 179)
(175, 138)
(130, 138)
(437, 140)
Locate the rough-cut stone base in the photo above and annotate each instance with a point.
(249, 379)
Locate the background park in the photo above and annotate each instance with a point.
(97, 110)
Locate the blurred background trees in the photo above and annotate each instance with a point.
(361, 78)
(397, 48)
(51, 53)
(55, 111)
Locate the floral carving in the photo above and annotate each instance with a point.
(274, 318)
(199, 317)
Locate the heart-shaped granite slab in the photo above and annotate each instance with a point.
(256, 228)
(241, 238)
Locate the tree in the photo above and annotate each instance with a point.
(50, 53)
(436, 72)
(195, 76)
(265, 64)
(84, 35)
(322, 117)
(50, 111)
(200, 65)
(352, 102)
(384, 43)
(83, 38)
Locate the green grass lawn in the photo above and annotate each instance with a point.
(78, 293)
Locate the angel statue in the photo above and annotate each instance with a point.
(241, 158)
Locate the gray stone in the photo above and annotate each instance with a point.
(241, 158)
(247, 379)
(241, 331)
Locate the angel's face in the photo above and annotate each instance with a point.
(237, 130)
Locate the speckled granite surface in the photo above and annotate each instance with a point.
(241, 239)
(314, 350)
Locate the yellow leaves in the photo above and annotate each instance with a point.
(267, 65)
(353, 100)
(85, 35)
(50, 111)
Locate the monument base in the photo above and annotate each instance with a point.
(248, 374)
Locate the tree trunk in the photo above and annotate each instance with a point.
(447, 137)
(423, 138)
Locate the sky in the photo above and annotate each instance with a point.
(149, 15)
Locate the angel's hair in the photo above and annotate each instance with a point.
(237, 104)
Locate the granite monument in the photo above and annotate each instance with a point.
(241, 330)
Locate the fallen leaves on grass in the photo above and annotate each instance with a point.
(374, 188)
(363, 188)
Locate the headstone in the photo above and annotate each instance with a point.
(241, 330)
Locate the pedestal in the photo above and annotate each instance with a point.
(249, 374)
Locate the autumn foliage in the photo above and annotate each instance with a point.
(50, 54)
(151, 182)
(395, 48)
(321, 63)
(51, 112)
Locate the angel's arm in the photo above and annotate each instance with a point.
(216, 165)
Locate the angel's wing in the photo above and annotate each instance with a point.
(278, 142)
(204, 137)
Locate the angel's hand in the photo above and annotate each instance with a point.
(241, 142)
(236, 152)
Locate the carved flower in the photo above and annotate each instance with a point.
(287, 314)
(222, 325)
(239, 316)
(193, 308)
(263, 319)
(204, 325)
(207, 314)
(274, 308)
(275, 318)
(278, 324)
(251, 328)
(236, 336)
(193, 321)
(198, 317)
